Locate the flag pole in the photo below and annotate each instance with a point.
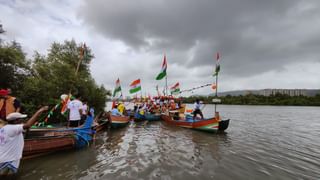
(80, 60)
(215, 105)
(166, 85)
(216, 95)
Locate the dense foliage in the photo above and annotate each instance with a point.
(251, 99)
(42, 80)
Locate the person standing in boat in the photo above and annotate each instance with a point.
(75, 112)
(8, 104)
(197, 110)
(84, 114)
(12, 142)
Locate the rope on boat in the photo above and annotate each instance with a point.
(192, 89)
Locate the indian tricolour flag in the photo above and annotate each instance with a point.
(217, 69)
(175, 89)
(135, 86)
(163, 72)
(117, 89)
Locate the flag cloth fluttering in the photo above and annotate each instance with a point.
(214, 86)
(135, 86)
(117, 89)
(163, 72)
(217, 69)
(175, 89)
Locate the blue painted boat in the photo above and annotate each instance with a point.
(139, 117)
(153, 117)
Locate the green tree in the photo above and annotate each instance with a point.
(54, 74)
(14, 67)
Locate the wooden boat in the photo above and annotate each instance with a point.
(152, 117)
(47, 140)
(209, 125)
(101, 122)
(118, 121)
(43, 145)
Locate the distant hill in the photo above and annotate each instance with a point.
(306, 92)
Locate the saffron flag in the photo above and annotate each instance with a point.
(217, 69)
(214, 86)
(135, 86)
(65, 99)
(175, 89)
(163, 72)
(117, 89)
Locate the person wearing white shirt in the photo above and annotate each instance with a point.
(84, 112)
(197, 110)
(75, 112)
(12, 141)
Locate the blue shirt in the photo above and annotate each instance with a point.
(115, 112)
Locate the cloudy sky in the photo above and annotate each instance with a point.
(262, 44)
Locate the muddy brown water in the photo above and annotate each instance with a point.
(262, 142)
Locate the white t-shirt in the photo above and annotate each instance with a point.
(74, 106)
(11, 143)
(197, 106)
(84, 109)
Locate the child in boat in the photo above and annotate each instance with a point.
(115, 111)
(12, 142)
(197, 109)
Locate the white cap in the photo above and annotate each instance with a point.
(15, 115)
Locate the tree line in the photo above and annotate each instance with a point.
(251, 99)
(42, 79)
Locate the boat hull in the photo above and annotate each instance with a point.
(153, 117)
(42, 141)
(45, 145)
(207, 125)
(119, 121)
(138, 117)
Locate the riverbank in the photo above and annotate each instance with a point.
(250, 99)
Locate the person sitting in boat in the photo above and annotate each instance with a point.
(142, 109)
(172, 105)
(197, 109)
(115, 111)
(121, 108)
(12, 142)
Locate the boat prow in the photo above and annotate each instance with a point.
(223, 124)
(118, 121)
(207, 125)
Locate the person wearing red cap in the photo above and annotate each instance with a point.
(8, 104)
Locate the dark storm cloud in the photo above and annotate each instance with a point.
(252, 36)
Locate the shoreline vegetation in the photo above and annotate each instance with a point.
(251, 99)
(42, 79)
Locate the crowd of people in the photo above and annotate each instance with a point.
(155, 105)
(12, 126)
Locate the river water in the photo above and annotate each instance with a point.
(262, 142)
